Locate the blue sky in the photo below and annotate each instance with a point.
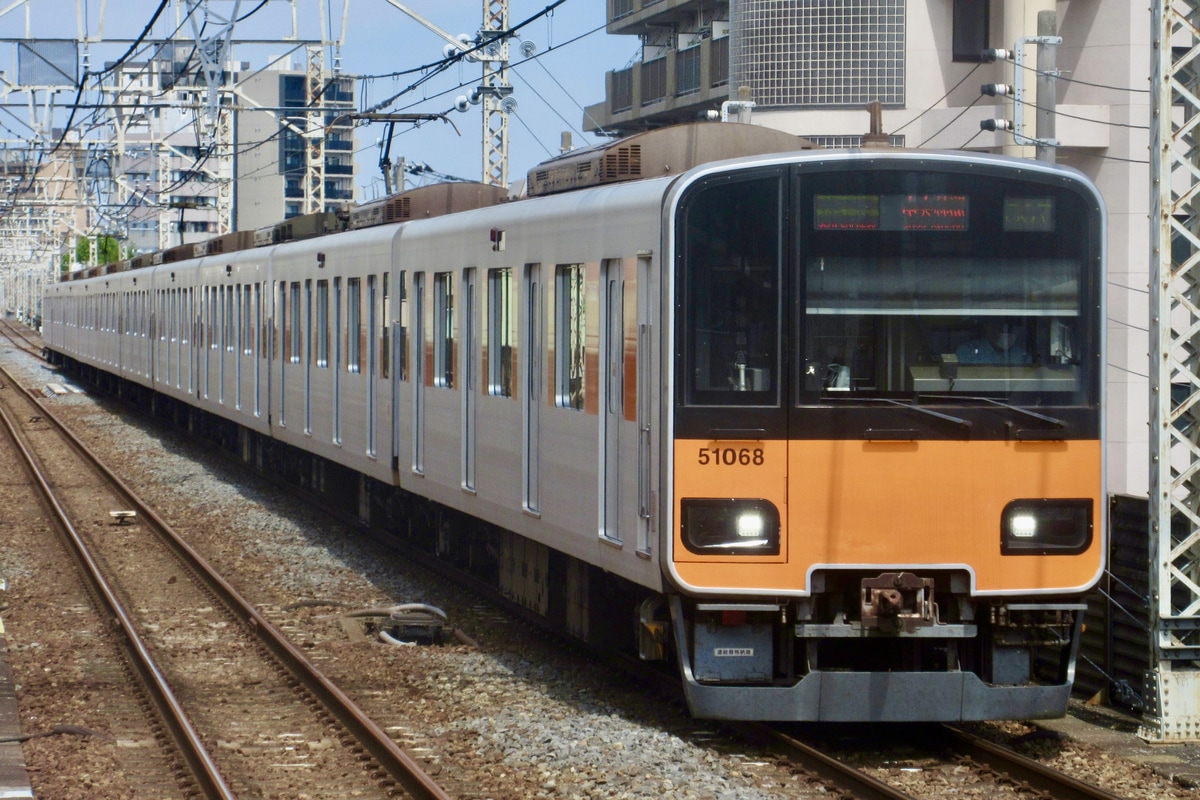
(548, 91)
(379, 39)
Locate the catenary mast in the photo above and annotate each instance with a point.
(1173, 683)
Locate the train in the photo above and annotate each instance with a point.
(822, 427)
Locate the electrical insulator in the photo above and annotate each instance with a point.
(996, 90)
(989, 56)
(995, 125)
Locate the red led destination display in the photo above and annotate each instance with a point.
(890, 212)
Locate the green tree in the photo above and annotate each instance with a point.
(109, 251)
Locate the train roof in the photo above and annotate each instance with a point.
(659, 152)
(662, 152)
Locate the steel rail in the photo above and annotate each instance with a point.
(851, 781)
(399, 766)
(1020, 768)
(203, 770)
(8, 329)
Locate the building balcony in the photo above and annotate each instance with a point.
(635, 17)
(679, 86)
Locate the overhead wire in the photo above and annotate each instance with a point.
(539, 96)
(935, 103)
(951, 122)
(136, 42)
(531, 133)
(461, 85)
(454, 58)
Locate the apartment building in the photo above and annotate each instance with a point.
(160, 180)
(271, 146)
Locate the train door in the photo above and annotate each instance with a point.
(189, 310)
(532, 368)
(645, 403)
(257, 345)
(612, 395)
(239, 341)
(339, 331)
(174, 335)
(282, 319)
(418, 356)
(225, 309)
(372, 363)
(399, 358)
(210, 338)
(469, 367)
(306, 353)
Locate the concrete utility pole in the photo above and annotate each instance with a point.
(1172, 711)
(1047, 90)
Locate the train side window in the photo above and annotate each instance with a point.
(296, 352)
(230, 320)
(385, 320)
(284, 322)
(322, 323)
(354, 324)
(259, 331)
(443, 330)
(242, 300)
(501, 332)
(214, 328)
(570, 330)
(402, 324)
(248, 301)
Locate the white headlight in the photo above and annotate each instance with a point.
(1023, 526)
(750, 525)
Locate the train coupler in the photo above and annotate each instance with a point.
(897, 601)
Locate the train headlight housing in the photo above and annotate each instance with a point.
(1046, 527)
(712, 526)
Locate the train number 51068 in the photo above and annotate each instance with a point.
(731, 456)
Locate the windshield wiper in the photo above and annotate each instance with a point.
(1058, 423)
(911, 406)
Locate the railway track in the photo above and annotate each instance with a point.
(233, 693)
(946, 747)
(22, 338)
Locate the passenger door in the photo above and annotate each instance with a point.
(532, 370)
(612, 395)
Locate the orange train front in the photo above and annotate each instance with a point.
(886, 470)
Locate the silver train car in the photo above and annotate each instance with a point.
(702, 395)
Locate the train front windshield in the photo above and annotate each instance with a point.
(943, 288)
